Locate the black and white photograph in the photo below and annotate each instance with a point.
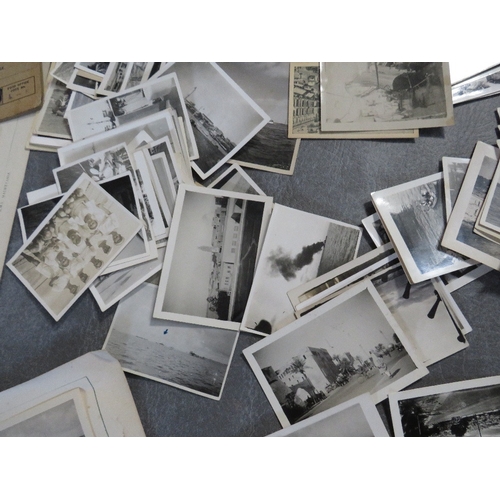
(349, 346)
(114, 79)
(489, 216)
(74, 244)
(108, 289)
(454, 170)
(298, 247)
(421, 311)
(63, 71)
(477, 87)
(384, 96)
(86, 84)
(190, 357)
(223, 117)
(413, 215)
(213, 245)
(459, 235)
(137, 73)
(234, 178)
(304, 109)
(470, 408)
(267, 84)
(96, 68)
(357, 417)
(375, 229)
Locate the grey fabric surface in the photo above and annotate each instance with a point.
(333, 178)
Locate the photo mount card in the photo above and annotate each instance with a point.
(328, 356)
(47, 267)
(213, 246)
(414, 219)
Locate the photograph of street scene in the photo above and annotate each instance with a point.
(341, 350)
(212, 252)
(450, 410)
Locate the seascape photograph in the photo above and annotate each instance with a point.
(189, 357)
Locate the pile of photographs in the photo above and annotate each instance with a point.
(152, 210)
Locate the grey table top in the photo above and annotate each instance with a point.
(333, 178)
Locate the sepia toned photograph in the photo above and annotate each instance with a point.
(413, 215)
(459, 235)
(212, 250)
(357, 417)
(382, 96)
(75, 243)
(304, 109)
(349, 346)
(459, 409)
(298, 247)
(267, 84)
(190, 357)
(223, 117)
(236, 179)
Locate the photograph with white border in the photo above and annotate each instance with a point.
(48, 267)
(469, 408)
(454, 170)
(212, 250)
(193, 358)
(333, 354)
(357, 417)
(298, 247)
(413, 215)
(236, 179)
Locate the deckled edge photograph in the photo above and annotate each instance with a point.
(468, 408)
(189, 357)
(357, 417)
(212, 250)
(47, 266)
(333, 354)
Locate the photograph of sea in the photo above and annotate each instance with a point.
(189, 357)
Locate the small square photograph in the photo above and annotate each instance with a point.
(58, 270)
(459, 235)
(413, 215)
(348, 346)
(298, 247)
(470, 408)
(236, 179)
(224, 118)
(383, 96)
(357, 417)
(190, 357)
(212, 250)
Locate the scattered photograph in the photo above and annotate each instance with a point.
(189, 357)
(458, 279)
(349, 346)
(75, 243)
(114, 78)
(454, 170)
(267, 84)
(96, 68)
(489, 217)
(137, 73)
(63, 71)
(477, 87)
(357, 417)
(212, 249)
(304, 109)
(383, 96)
(413, 215)
(223, 117)
(459, 235)
(470, 408)
(375, 230)
(298, 247)
(236, 179)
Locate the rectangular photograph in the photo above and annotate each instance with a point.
(190, 357)
(357, 417)
(48, 266)
(413, 215)
(333, 354)
(234, 178)
(224, 118)
(298, 247)
(488, 221)
(477, 87)
(212, 250)
(454, 170)
(459, 235)
(470, 408)
(382, 96)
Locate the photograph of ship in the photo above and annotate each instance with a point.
(299, 246)
(211, 256)
(223, 117)
(189, 357)
(459, 409)
(348, 346)
(380, 96)
(414, 216)
(267, 84)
